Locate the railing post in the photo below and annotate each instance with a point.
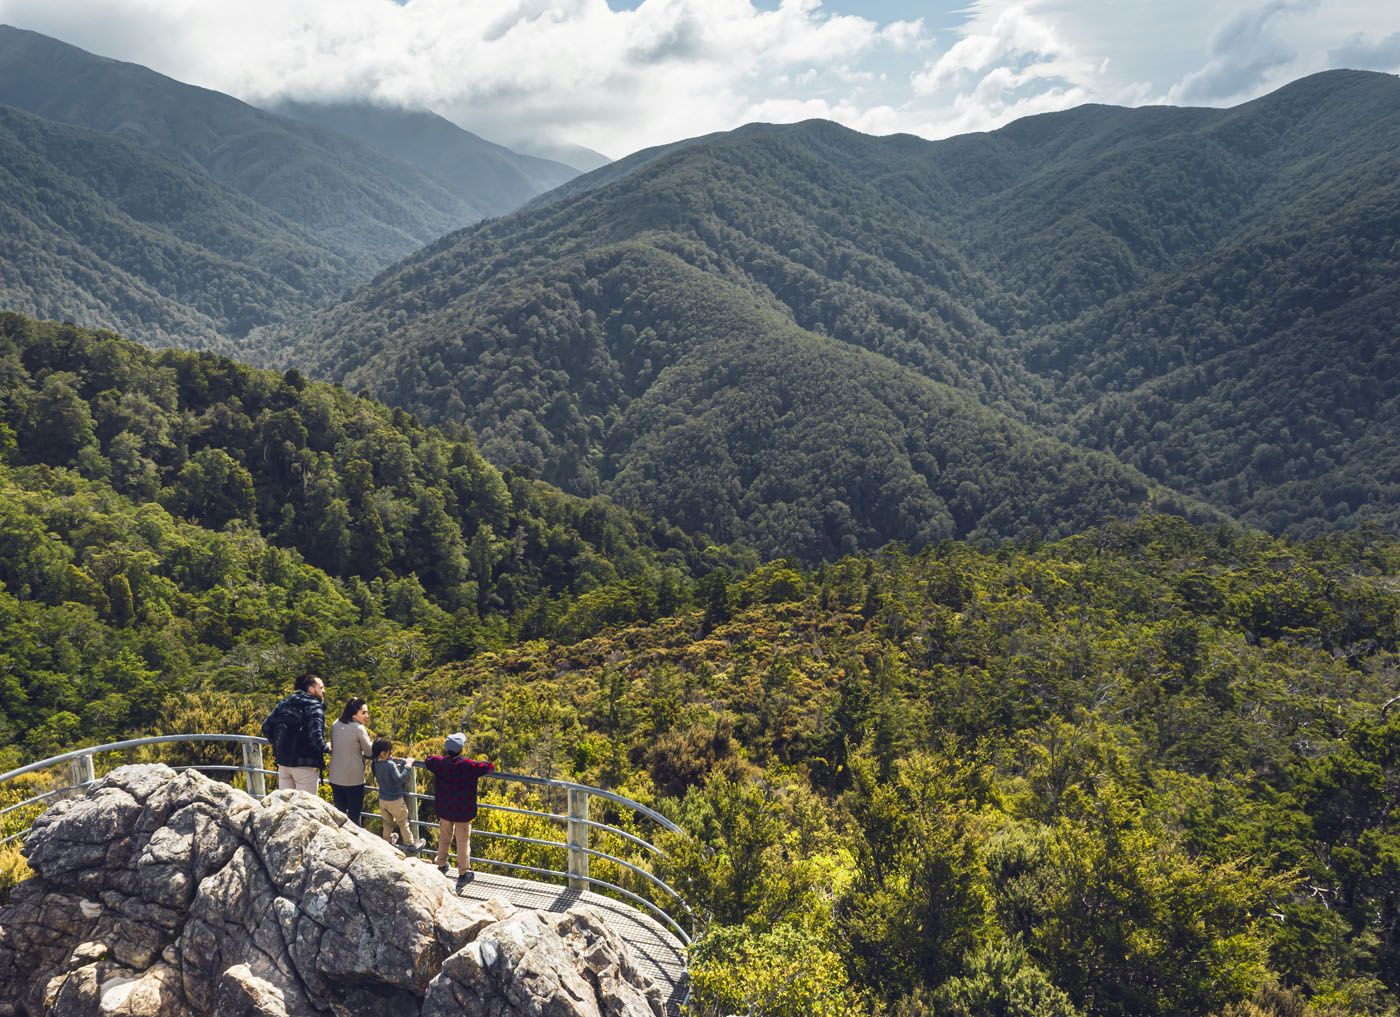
(411, 798)
(253, 765)
(80, 770)
(578, 839)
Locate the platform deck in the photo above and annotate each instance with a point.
(656, 951)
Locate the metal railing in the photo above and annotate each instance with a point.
(80, 770)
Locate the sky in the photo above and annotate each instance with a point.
(619, 75)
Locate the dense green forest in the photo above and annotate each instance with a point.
(99, 230)
(1145, 770)
(1209, 295)
(177, 520)
(641, 375)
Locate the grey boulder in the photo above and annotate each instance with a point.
(158, 894)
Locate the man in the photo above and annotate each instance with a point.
(296, 727)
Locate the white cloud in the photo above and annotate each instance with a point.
(572, 70)
(1012, 37)
(1013, 58)
(1243, 51)
(1361, 50)
(1011, 61)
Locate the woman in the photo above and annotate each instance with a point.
(350, 747)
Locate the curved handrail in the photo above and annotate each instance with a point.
(576, 821)
(594, 792)
(93, 750)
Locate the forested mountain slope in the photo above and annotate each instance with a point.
(1223, 294)
(213, 526)
(377, 207)
(1076, 208)
(497, 179)
(94, 228)
(298, 211)
(1137, 281)
(636, 372)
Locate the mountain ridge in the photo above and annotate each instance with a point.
(297, 170)
(499, 178)
(980, 263)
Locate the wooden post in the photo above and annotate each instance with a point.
(253, 767)
(578, 839)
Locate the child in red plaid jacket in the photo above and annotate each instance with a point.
(454, 799)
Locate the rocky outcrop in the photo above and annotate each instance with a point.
(165, 894)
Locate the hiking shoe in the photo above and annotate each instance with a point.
(416, 846)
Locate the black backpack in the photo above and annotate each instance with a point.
(281, 729)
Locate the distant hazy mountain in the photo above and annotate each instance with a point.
(497, 179)
(373, 205)
(99, 230)
(281, 215)
(582, 159)
(1210, 295)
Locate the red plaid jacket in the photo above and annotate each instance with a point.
(454, 788)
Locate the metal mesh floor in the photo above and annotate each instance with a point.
(655, 950)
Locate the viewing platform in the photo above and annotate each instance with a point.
(512, 852)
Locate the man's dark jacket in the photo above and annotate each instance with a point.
(296, 727)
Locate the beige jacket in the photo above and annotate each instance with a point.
(350, 747)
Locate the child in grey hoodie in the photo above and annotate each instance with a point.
(390, 774)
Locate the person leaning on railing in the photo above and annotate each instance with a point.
(390, 774)
(454, 799)
(296, 729)
(80, 773)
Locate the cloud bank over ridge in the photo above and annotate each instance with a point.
(580, 72)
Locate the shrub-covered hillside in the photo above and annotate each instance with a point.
(1144, 771)
(1151, 769)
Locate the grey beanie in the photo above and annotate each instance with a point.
(456, 743)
